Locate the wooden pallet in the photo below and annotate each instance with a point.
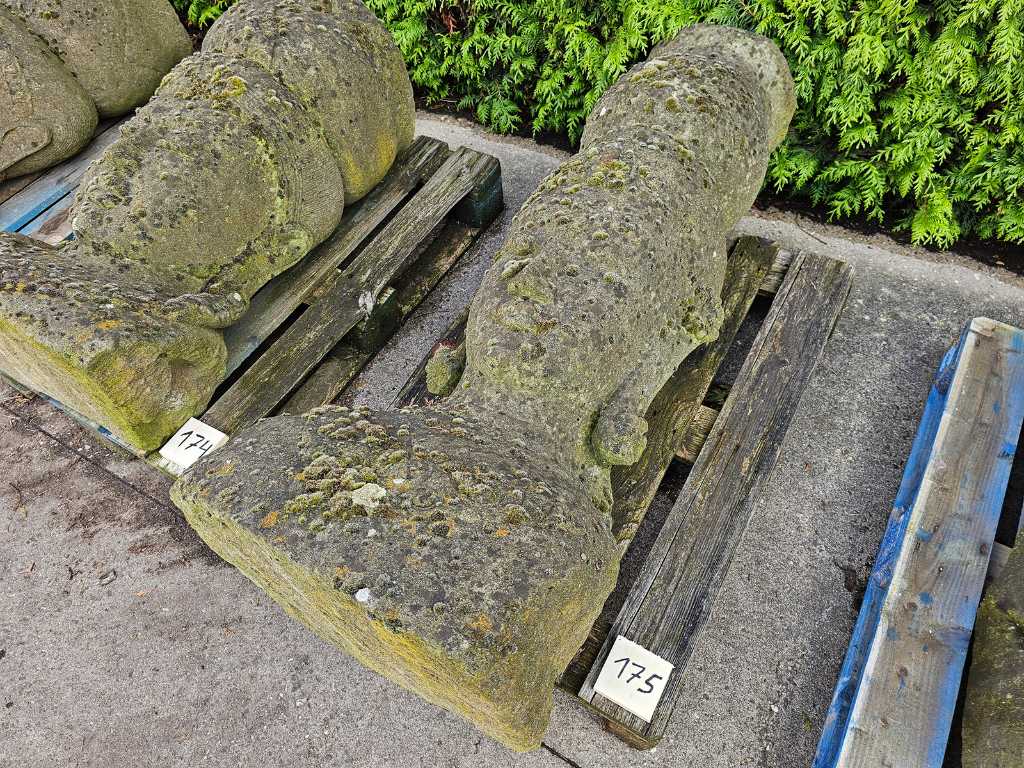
(309, 331)
(898, 687)
(733, 449)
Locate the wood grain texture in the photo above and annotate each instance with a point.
(53, 225)
(11, 187)
(348, 358)
(670, 602)
(903, 705)
(279, 298)
(348, 296)
(852, 671)
(696, 434)
(678, 401)
(1000, 554)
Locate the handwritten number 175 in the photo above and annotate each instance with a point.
(648, 684)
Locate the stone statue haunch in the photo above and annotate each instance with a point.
(993, 723)
(464, 550)
(67, 62)
(241, 163)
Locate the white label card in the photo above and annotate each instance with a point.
(634, 678)
(190, 443)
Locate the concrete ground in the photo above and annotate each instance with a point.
(125, 642)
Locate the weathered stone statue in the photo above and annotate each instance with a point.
(240, 164)
(464, 550)
(993, 726)
(67, 62)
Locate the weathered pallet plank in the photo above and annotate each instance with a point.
(53, 225)
(899, 685)
(349, 297)
(276, 301)
(670, 601)
(338, 369)
(11, 187)
(674, 408)
(676, 404)
(695, 434)
(53, 185)
(851, 673)
(1000, 554)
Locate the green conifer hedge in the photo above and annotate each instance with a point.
(910, 113)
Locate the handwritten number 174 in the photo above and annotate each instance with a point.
(648, 683)
(198, 442)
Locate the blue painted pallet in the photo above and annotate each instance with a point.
(898, 686)
(47, 199)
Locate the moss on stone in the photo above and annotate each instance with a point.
(226, 178)
(487, 552)
(993, 722)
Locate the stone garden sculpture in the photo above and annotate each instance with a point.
(463, 550)
(241, 163)
(67, 63)
(993, 729)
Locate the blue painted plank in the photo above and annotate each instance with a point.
(959, 608)
(851, 673)
(54, 185)
(54, 224)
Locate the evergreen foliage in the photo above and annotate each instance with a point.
(910, 113)
(200, 13)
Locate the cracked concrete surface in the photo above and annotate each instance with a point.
(125, 642)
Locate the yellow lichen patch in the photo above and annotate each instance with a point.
(342, 571)
(502, 532)
(269, 520)
(108, 325)
(278, 540)
(222, 471)
(413, 561)
(481, 624)
(20, 287)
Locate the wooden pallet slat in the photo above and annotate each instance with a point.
(899, 683)
(675, 408)
(670, 602)
(348, 358)
(11, 187)
(350, 296)
(678, 401)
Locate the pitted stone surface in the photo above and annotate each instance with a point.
(457, 567)
(471, 541)
(45, 114)
(363, 74)
(117, 49)
(64, 61)
(993, 727)
(224, 180)
(209, 187)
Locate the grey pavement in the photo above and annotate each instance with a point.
(125, 642)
